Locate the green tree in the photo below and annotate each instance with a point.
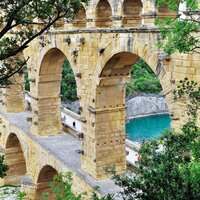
(68, 83)
(26, 81)
(170, 165)
(143, 80)
(21, 22)
(61, 187)
(3, 167)
(179, 34)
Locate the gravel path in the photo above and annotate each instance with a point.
(9, 193)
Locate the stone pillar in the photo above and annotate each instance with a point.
(28, 186)
(104, 141)
(90, 21)
(46, 116)
(116, 20)
(13, 95)
(148, 19)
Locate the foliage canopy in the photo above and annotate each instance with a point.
(170, 165)
(180, 33)
(21, 22)
(143, 79)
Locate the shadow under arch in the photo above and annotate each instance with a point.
(112, 80)
(137, 49)
(131, 13)
(50, 73)
(47, 118)
(109, 109)
(14, 158)
(103, 14)
(44, 179)
(80, 19)
(119, 65)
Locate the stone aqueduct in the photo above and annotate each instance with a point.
(102, 44)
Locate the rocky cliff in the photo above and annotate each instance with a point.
(145, 105)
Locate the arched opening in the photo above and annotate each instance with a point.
(103, 14)
(50, 73)
(46, 108)
(164, 11)
(14, 158)
(43, 183)
(142, 85)
(131, 13)
(109, 114)
(80, 19)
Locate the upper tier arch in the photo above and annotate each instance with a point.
(103, 14)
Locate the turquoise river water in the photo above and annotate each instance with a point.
(146, 128)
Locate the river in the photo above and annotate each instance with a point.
(146, 128)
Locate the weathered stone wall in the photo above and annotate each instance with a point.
(101, 65)
(101, 60)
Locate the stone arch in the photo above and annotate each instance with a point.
(140, 49)
(103, 13)
(143, 51)
(107, 108)
(44, 179)
(50, 73)
(115, 71)
(80, 19)
(131, 13)
(113, 78)
(46, 107)
(14, 158)
(106, 117)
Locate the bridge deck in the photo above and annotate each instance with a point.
(63, 147)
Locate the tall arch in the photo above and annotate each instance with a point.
(103, 14)
(80, 19)
(50, 73)
(131, 13)
(14, 158)
(43, 182)
(46, 116)
(107, 115)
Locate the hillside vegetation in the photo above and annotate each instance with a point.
(143, 80)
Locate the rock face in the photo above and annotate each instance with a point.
(73, 106)
(145, 105)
